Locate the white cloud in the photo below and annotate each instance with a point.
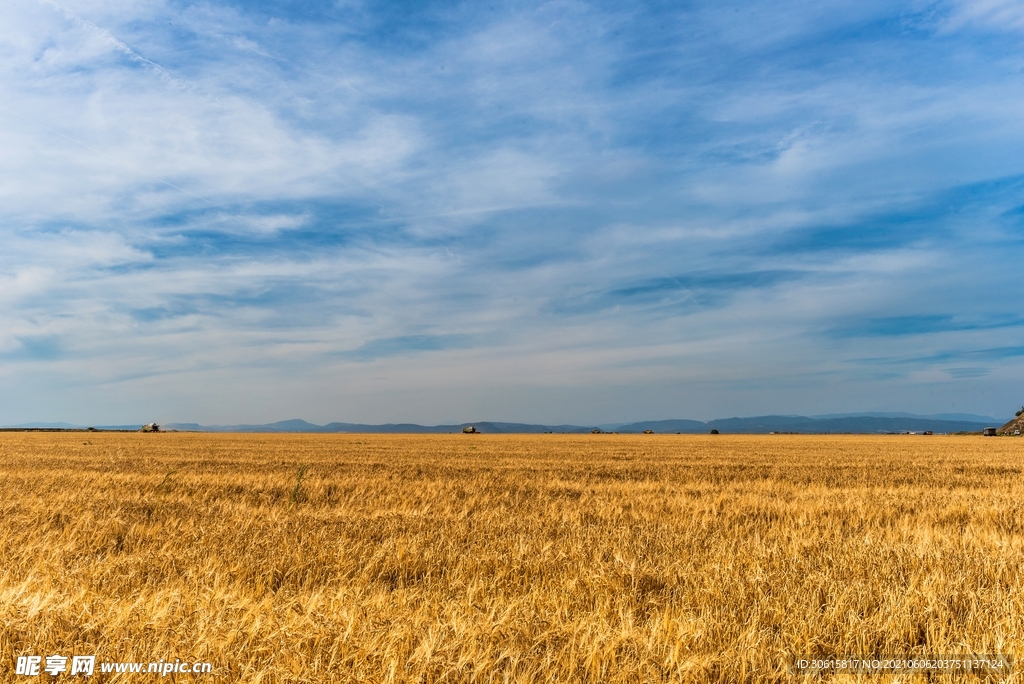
(1001, 15)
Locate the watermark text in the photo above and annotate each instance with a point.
(82, 665)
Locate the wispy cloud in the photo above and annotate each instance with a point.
(406, 345)
(1001, 15)
(917, 325)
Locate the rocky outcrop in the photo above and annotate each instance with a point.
(1014, 426)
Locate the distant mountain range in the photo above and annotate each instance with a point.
(859, 423)
(390, 428)
(969, 417)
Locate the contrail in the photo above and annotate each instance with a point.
(118, 45)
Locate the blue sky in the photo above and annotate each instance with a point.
(533, 211)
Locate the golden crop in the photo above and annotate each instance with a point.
(548, 558)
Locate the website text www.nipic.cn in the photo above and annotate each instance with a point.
(53, 665)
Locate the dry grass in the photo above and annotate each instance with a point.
(507, 558)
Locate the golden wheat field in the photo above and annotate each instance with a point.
(487, 558)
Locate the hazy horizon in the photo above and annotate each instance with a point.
(952, 417)
(548, 212)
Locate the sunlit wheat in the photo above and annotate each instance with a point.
(549, 558)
